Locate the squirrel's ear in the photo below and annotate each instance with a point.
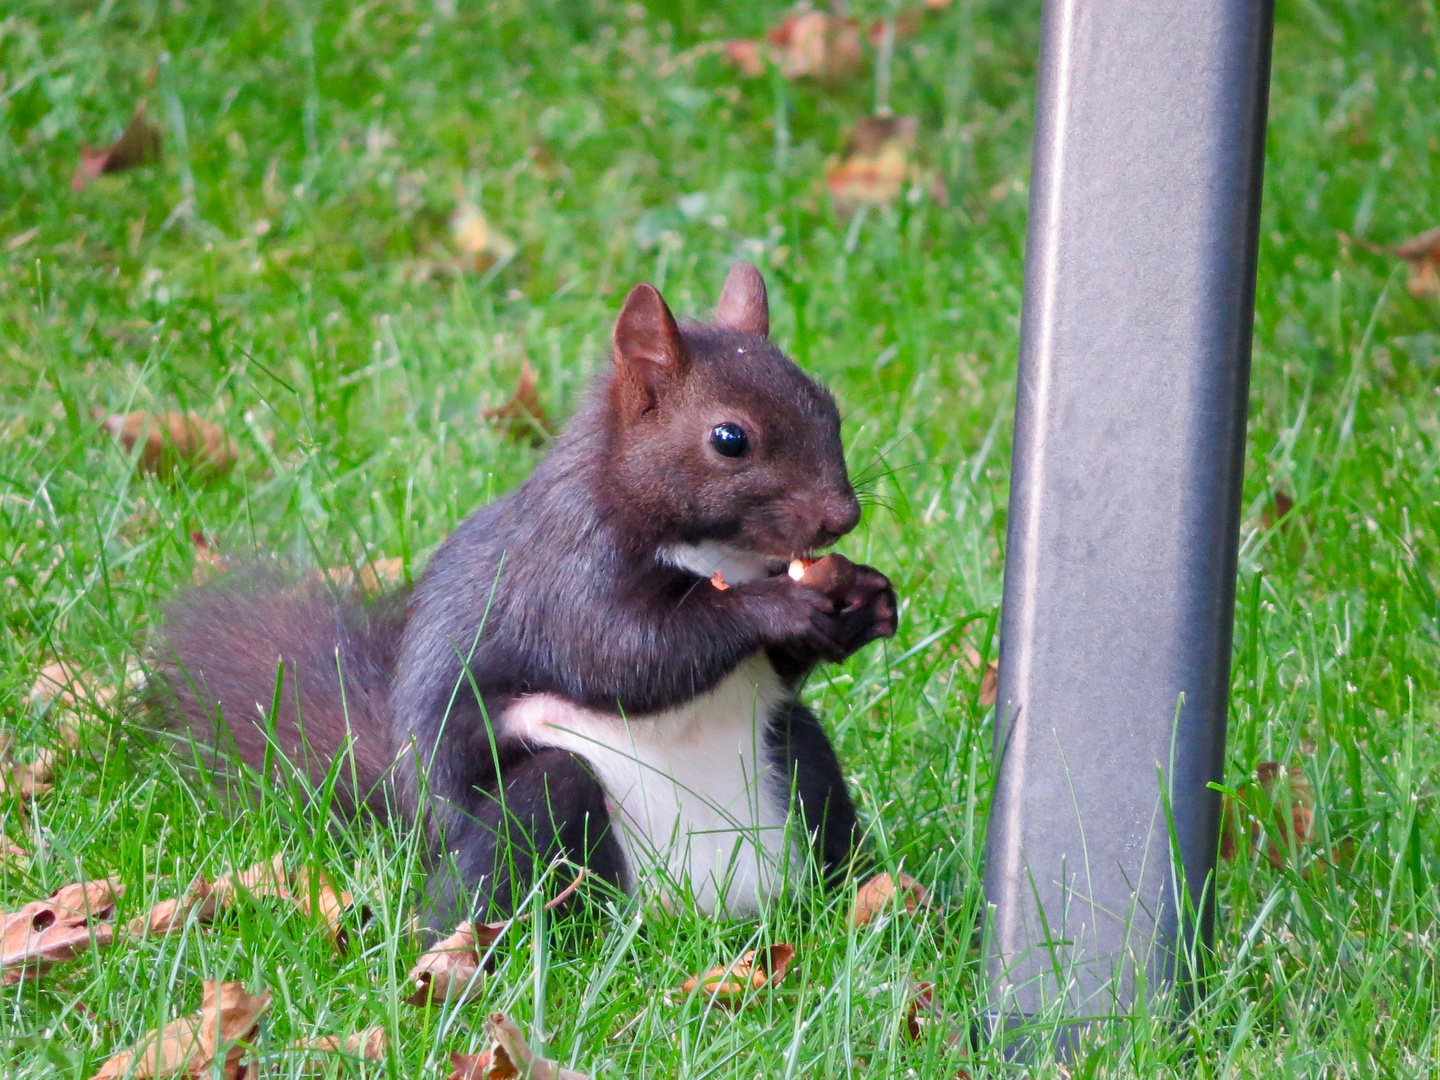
(648, 350)
(743, 303)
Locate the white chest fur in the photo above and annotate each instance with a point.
(700, 808)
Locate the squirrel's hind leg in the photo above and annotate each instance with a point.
(816, 787)
(549, 807)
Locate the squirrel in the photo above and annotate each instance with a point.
(602, 666)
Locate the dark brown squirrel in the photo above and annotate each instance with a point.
(566, 680)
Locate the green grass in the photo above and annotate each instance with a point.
(269, 275)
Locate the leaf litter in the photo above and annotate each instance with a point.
(881, 892)
(173, 440)
(193, 1045)
(367, 1045)
(508, 1055)
(874, 164)
(1274, 813)
(732, 985)
(139, 144)
(823, 46)
(59, 928)
(451, 969)
(523, 417)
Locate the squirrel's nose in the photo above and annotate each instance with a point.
(839, 515)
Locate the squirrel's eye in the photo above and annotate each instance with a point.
(729, 440)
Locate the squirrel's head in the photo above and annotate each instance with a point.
(731, 452)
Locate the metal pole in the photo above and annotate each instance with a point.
(1125, 495)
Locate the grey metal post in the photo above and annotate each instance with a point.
(1125, 494)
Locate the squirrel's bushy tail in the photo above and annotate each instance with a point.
(224, 647)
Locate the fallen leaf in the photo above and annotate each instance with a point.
(477, 239)
(201, 898)
(61, 685)
(523, 416)
(173, 439)
(139, 144)
(56, 929)
(72, 693)
(875, 163)
(11, 852)
(879, 893)
(923, 1012)
(817, 45)
(367, 1045)
(227, 1022)
(208, 560)
(755, 970)
(1423, 255)
(509, 1055)
(23, 780)
(749, 56)
(1278, 807)
(375, 576)
(19, 240)
(906, 21)
(265, 879)
(1278, 509)
(1340, 857)
(450, 970)
(329, 903)
(990, 684)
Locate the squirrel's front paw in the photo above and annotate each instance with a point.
(864, 611)
(832, 607)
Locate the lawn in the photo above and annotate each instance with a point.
(368, 218)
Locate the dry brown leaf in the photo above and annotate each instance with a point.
(990, 684)
(1277, 510)
(809, 44)
(876, 162)
(95, 898)
(11, 852)
(817, 45)
(755, 970)
(265, 878)
(26, 781)
(227, 1022)
(879, 893)
(367, 1045)
(70, 692)
(375, 576)
(208, 560)
(479, 241)
(173, 439)
(1278, 807)
(923, 1012)
(329, 903)
(524, 417)
(749, 56)
(57, 929)
(201, 898)
(450, 970)
(508, 1056)
(67, 688)
(139, 144)
(1423, 255)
